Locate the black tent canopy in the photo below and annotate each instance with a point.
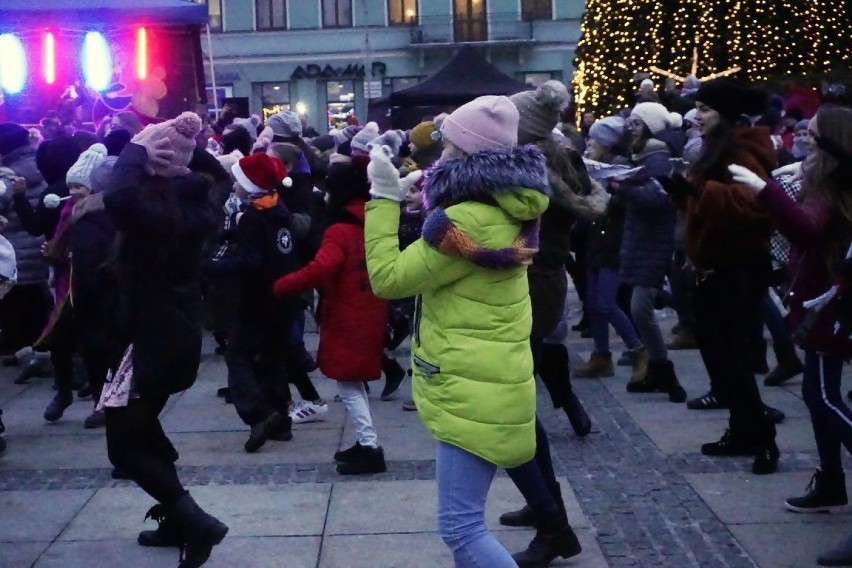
(466, 76)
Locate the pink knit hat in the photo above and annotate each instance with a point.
(182, 132)
(485, 123)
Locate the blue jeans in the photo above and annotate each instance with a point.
(774, 321)
(831, 418)
(603, 310)
(463, 483)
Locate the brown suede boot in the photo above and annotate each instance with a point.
(599, 366)
(639, 359)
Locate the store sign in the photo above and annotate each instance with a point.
(314, 71)
(372, 89)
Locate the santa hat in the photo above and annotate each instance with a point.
(260, 173)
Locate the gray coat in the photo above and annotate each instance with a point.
(32, 268)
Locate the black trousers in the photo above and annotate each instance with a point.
(727, 310)
(137, 445)
(257, 372)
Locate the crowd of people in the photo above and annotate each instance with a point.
(119, 248)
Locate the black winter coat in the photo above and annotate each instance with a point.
(265, 251)
(164, 223)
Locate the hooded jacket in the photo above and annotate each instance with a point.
(471, 360)
(32, 268)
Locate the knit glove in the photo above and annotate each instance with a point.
(747, 177)
(384, 177)
(159, 148)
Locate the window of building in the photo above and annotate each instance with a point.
(222, 92)
(537, 9)
(340, 101)
(337, 13)
(536, 79)
(402, 12)
(271, 14)
(470, 20)
(214, 13)
(399, 83)
(274, 97)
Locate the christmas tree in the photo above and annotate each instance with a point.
(765, 40)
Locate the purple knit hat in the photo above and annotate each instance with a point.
(485, 123)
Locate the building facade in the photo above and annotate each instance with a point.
(328, 58)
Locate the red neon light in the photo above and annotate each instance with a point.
(49, 59)
(142, 53)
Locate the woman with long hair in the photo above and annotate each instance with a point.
(727, 241)
(820, 230)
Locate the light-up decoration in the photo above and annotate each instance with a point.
(142, 53)
(97, 61)
(49, 58)
(13, 64)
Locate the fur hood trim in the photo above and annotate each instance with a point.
(484, 175)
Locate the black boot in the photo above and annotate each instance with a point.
(167, 533)
(367, 460)
(524, 517)
(275, 424)
(580, 421)
(394, 375)
(554, 368)
(767, 454)
(826, 493)
(660, 378)
(789, 364)
(199, 530)
(554, 538)
(57, 406)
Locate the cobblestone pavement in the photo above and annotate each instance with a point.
(640, 484)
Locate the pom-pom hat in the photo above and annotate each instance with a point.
(656, 117)
(539, 110)
(81, 172)
(181, 131)
(260, 173)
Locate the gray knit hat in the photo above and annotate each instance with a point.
(539, 110)
(608, 131)
(81, 172)
(361, 141)
(285, 124)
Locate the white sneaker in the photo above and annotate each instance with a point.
(304, 411)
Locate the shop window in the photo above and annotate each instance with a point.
(399, 83)
(470, 22)
(274, 97)
(337, 13)
(340, 101)
(536, 10)
(402, 12)
(214, 13)
(271, 14)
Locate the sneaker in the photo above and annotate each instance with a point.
(823, 495)
(56, 408)
(304, 411)
(368, 460)
(348, 454)
(264, 430)
(409, 405)
(706, 402)
(728, 446)
(96, 419)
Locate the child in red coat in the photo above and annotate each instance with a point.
(352, 320)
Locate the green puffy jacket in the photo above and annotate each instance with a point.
(473, 371)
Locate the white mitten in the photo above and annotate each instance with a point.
(747, 177)
(384, 177)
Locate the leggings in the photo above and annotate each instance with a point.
(831, 418)
(137, 445)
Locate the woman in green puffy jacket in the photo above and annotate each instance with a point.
(471, 360)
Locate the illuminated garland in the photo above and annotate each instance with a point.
(764, 38)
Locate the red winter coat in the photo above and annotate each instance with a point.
(353, 321)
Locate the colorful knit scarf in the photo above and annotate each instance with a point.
(440, 232)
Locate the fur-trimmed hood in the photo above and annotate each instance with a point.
(485, 176)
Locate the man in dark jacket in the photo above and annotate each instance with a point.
(256, 352)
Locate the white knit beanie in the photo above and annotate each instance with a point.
(656, 117)
(81, 172)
